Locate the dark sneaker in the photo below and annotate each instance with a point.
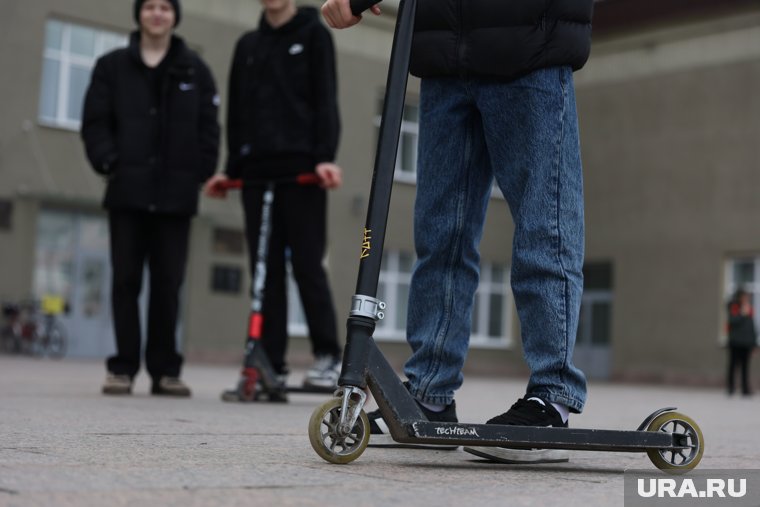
(323, 373)
(380, 435)
(170, 386)
(528, 411)
(117, 384)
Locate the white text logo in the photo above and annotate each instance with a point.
(467, 432)
(648, 488)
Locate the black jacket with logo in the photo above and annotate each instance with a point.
(499, 38)
(153, 132)
(283, 113)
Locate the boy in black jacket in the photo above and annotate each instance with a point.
(282, 121)
(150, 127)
(497, 103)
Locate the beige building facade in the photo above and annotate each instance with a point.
(669, 121)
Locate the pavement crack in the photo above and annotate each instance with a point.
(28, 450)
(344, 471)
(8, 491)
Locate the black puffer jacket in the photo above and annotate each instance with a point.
(283, 112)
(499, 38)
(154, 132)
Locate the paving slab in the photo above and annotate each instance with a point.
(64, 444)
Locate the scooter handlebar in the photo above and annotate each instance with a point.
(359, 6)
(303, 179)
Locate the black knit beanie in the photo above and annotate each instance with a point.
(175, 4)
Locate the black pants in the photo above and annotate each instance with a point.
(739, 358)
(160, 240)
(299, 217)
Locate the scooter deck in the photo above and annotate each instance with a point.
(408, 425)
(424, 432)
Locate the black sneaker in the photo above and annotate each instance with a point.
(380, 435)
(528, 411)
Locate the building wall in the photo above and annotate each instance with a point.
(670, 120)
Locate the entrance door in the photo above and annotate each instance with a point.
(72, 262)
(592, 345)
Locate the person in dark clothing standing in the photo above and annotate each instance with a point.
(282, 121)
(150, 127)
(497, 102)
(742, 339)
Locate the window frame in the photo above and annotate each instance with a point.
(390, 278)
(408, 127)
(66, 60)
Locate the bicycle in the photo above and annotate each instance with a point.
(32, 328)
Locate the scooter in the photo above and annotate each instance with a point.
(258, 380)
(339, 428)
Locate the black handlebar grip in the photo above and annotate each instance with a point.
(359, 6)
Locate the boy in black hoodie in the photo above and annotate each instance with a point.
(282, 121)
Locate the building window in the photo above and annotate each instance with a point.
(296, 317)
(226, 279)
(69, 57)
(228, 241)
(491, 321)
(406, 157)
(491, 317)
(393, 288)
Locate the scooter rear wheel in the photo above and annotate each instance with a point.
(682, 460)
(329, 442)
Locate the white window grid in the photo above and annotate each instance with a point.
(296, 317)
(488, 288)
(393, 289)
(67, 60)
(589, 305)
(406, 155)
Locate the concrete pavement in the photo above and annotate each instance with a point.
(64, 444)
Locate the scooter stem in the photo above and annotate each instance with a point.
(361, 322)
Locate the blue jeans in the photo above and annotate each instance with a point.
(524, 134)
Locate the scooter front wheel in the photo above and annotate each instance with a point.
(328, 440)
(678, 461)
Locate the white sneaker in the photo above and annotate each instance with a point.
(117, 384)
(520, 456)
(324, 372)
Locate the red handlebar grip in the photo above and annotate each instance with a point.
(301, 179)
(308, 179)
